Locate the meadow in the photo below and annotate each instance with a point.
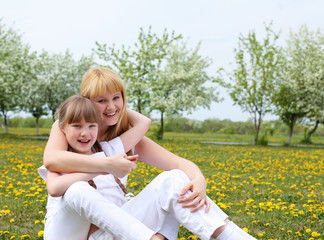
(272, 192)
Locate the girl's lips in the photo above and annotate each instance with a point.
(84, 142)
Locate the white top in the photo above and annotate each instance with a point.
(106, 184)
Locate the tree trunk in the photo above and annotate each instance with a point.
(257, 126)
(37, 130)
(161, 127)
(139, 109)
(311, 132)
(291, 128)
(6, 123)
(53, 115)
(255, 138)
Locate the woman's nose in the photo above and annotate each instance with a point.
(110, 106)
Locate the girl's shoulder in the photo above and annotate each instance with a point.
(113, 147)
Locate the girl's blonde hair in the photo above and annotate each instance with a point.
(75, 109)
(95, 84)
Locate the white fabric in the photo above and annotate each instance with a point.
(156, 206)
(244, 235)
(63, 219)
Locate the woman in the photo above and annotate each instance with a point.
(106, 90)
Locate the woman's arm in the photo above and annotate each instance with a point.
(140, 124)
(155, 155)
(56, 158)
(57, 183)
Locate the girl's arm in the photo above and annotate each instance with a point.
(57, 183)
(155, 155)
(57, 159)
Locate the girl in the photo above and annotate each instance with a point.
(177, 196)
(78, 120)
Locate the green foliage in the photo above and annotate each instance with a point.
(59, 78)
(253, 80)
(29, 122)
(15, 70)
(137, 66)
(162, 74)
(182, 83)
(302, 79)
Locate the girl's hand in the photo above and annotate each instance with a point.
(121, 164)
(197, 197)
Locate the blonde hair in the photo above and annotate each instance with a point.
(95, 84)
(75, 109)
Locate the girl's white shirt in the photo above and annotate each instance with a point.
(106, 184)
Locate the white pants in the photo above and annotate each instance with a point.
(155, 209)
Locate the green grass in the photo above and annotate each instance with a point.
(274, 192)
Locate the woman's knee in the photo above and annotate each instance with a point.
(179, 174)
(174, 176)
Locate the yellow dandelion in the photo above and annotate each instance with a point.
(261, 234)
(245, 229)
(315, 234)
(40, 233)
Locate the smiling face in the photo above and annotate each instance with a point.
(107, 91)
(81, 136)
(110, 107)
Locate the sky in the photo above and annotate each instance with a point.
(77, 24)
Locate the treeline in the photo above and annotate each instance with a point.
(162, 74)
(180, 124)
(272, 127)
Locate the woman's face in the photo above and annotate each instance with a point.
(110, 107)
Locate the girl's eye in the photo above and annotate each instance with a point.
(116, 97)
(101, 100)
(93, 125)
(76, 125)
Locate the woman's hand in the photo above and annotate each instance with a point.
(197, 197)
(121, 164)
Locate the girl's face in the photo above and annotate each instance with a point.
(110, 107)
(81, 136)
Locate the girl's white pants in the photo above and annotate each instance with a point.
(155, 209)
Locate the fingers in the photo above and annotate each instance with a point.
(186, 189)
(132, 158)
(198, 206)
(207, 206)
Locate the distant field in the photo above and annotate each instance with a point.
(272, 192)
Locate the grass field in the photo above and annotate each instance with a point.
(271, 192)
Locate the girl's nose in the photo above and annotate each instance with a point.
(84, 132)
